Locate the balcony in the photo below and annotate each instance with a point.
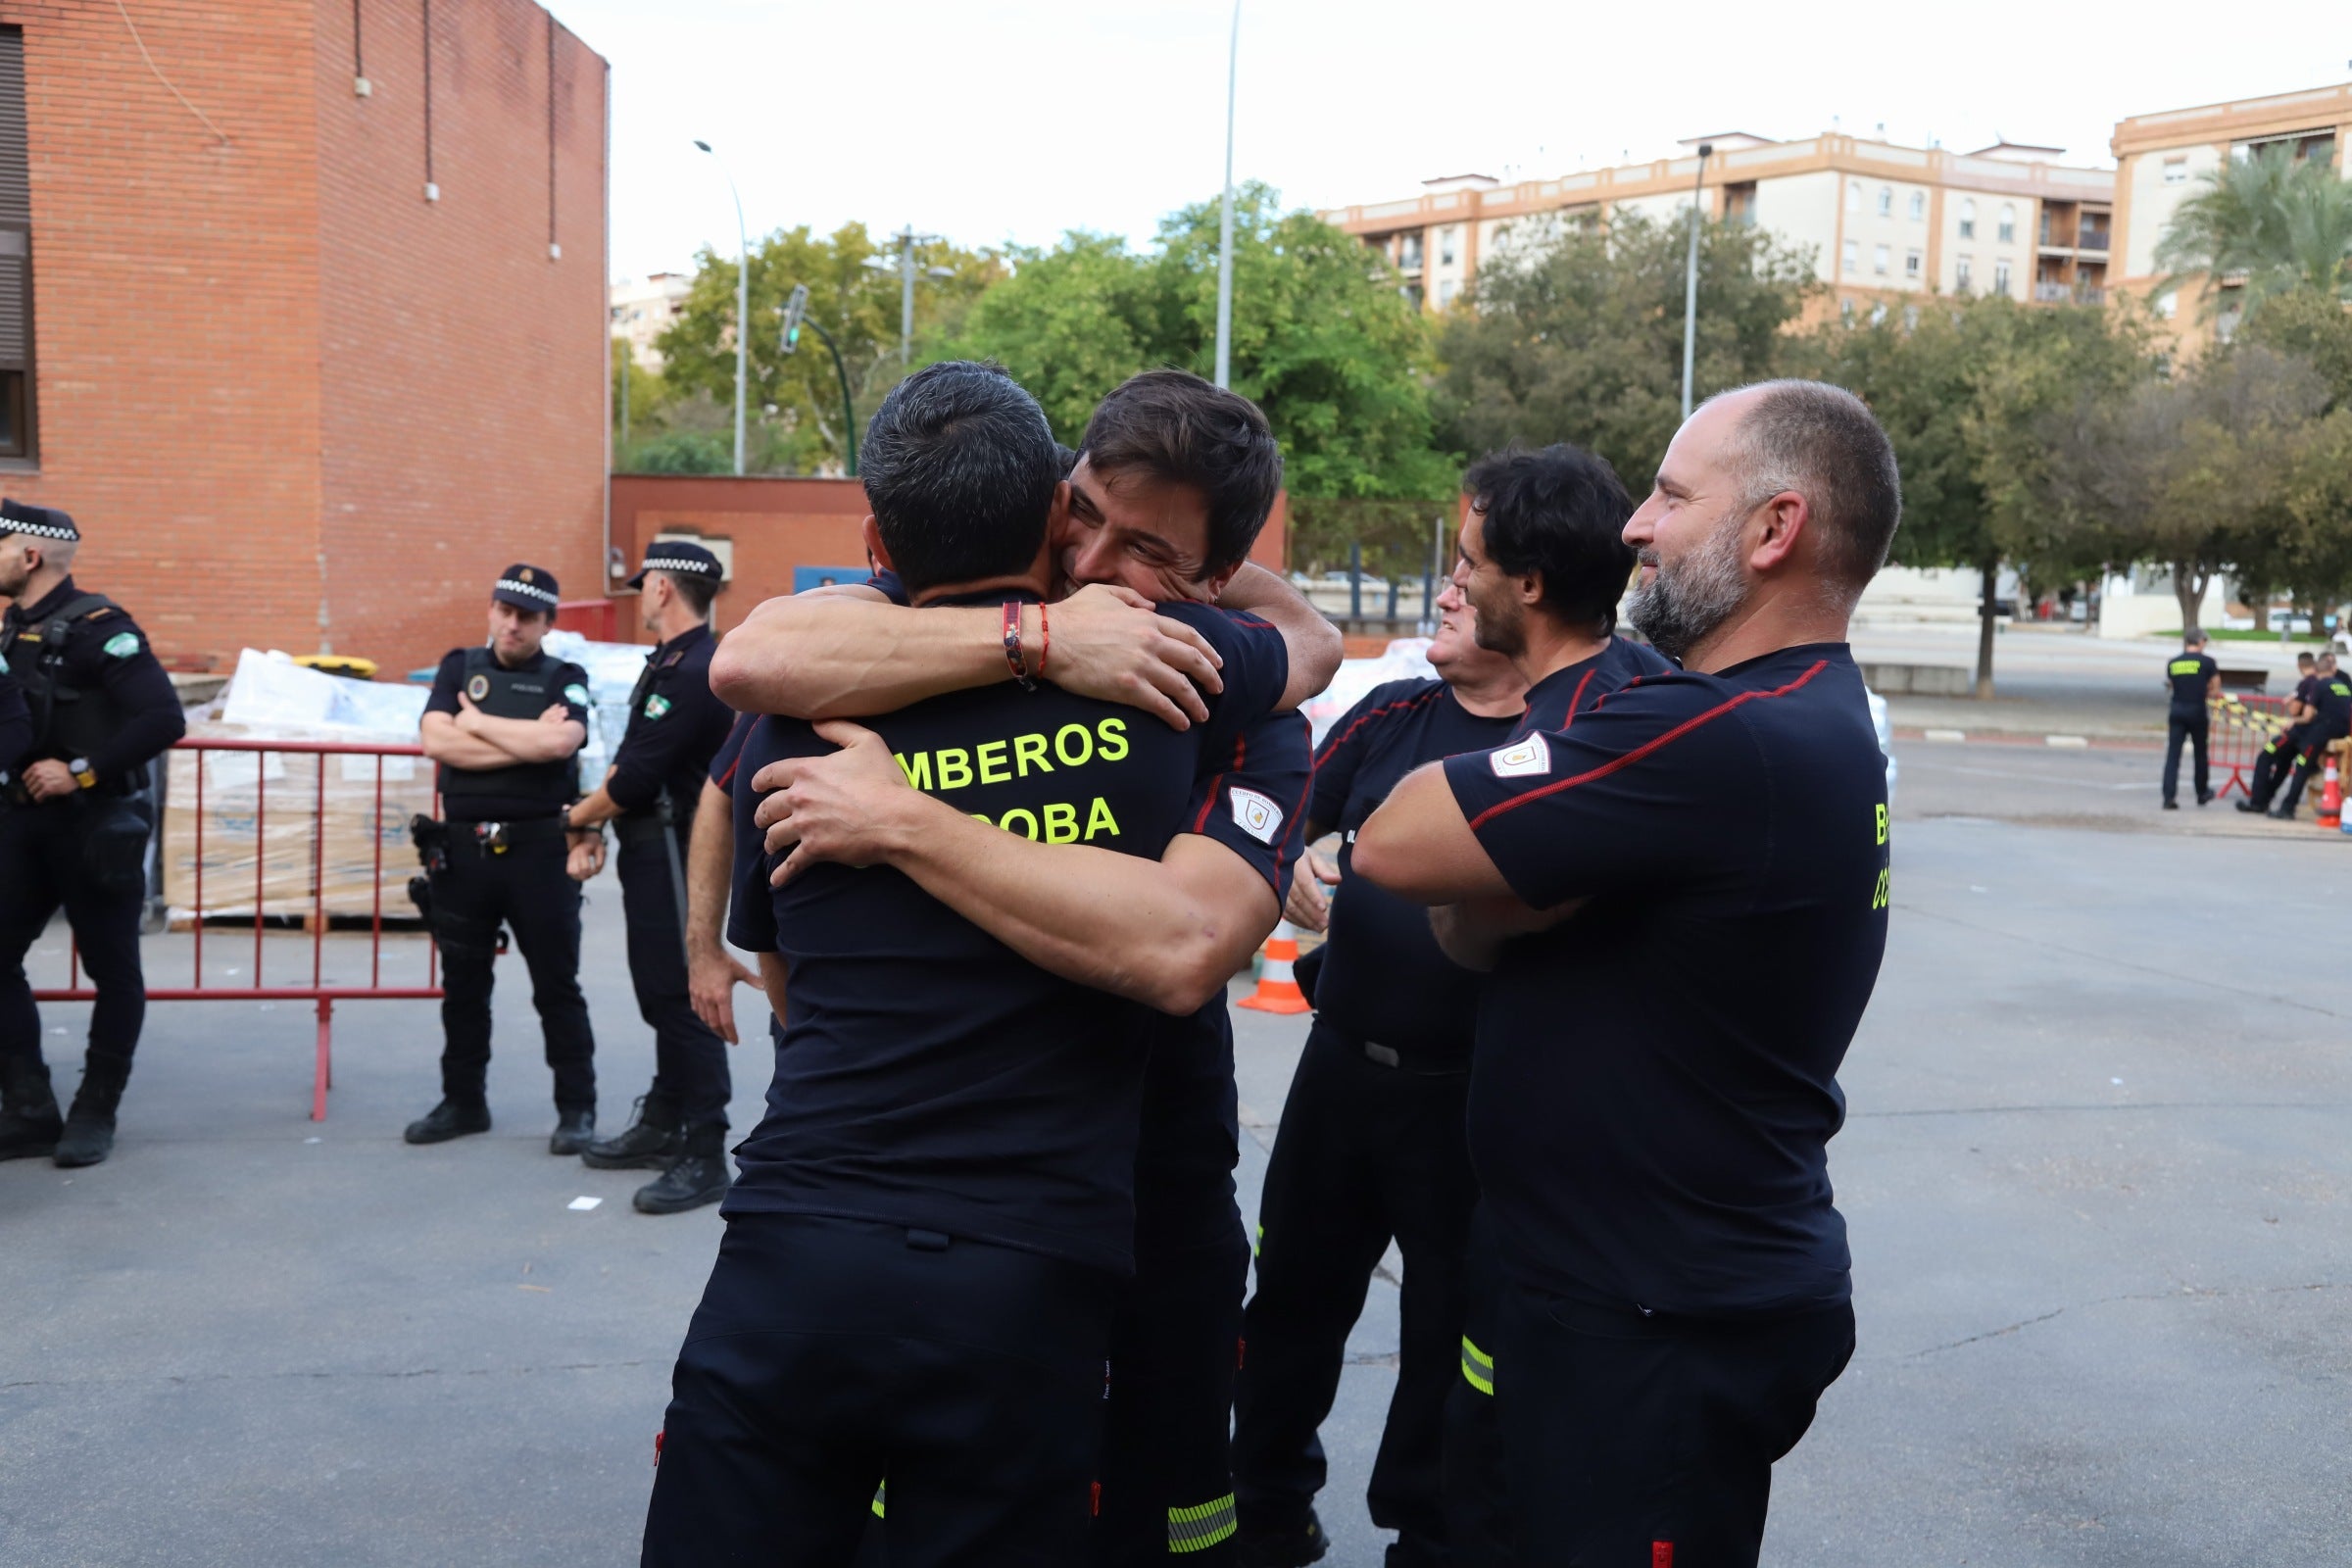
(2068, 294)
(2092, 239)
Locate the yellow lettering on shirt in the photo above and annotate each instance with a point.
(1029, 750)
(1115, 739)
(954, 767)
(1882, 825)
(1061, 822)
(1074, 744)
(1028, 822)
(1099, 820)
(918, 771)
(992, 769)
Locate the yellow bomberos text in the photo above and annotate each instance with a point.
(946, 769)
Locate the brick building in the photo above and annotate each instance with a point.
(312, 337)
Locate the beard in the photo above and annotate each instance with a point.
(1499, 627)
(1688, 602)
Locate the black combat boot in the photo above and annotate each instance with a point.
(655, 1136)
(1290, 1548)
(29, 1118)
(452, 1118)
(90, 1135)
(697, 1176)
(575, 1130)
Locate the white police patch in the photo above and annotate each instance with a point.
(576, 693)
(1529, 759)
(123, 644)
(1257, 815)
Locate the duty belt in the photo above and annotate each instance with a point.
(496, 838)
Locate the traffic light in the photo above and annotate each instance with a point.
(796, 309)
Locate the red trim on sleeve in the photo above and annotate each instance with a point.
(1296, 823)
(726, 780)
(1641, 750)
(1340, 739)
(1208, 801)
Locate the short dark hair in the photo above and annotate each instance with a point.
(697, 592)
(2307, 657)
(1559, 511)
(1180, 429)
(960, 469)
(1824, 443)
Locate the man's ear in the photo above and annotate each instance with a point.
(1213, 587)
(874, 548)
(1531, 588)
(1786, 519)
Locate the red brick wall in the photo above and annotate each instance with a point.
(175, 311)
(775, 525)
(462, 368)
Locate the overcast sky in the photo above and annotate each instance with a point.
(990, 121)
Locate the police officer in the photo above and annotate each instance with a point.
(506, 722)
(651, 792)
(72, 831)
(2330, 722)
(2193, 678)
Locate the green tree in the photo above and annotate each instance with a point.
(1576, 334)
(1322, 339)
(854, 293)
(2278, 222)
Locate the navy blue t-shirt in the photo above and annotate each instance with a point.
(1553, 701)
(2333, 697)
(2189, 675)
(929, 1076)
(1656, 1080)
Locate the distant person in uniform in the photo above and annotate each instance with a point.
(2330, 722)
(74, 827)
(506, 721)
(2194, 678)
(1682, 900)
(2280, 752)
(650, 794)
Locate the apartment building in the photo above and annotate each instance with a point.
(1885, 224)
(643, 309)
(2162, 159)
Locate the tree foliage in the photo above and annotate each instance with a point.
(2278, 222)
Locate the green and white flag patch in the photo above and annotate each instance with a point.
(656, 706)
(576, 693)
(123, 644)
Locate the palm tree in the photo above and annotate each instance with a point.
(2270, 221)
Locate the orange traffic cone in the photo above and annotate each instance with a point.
(2331, 797)
(1277, 982)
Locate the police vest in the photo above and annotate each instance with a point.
(504, 692)
(69, 722)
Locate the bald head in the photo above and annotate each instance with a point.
(1820, 442)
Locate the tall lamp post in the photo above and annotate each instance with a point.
(796, 316)
(1233, 58)
(1690, 276)
(743, 299)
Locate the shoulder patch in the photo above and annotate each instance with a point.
(1529, 759)
(100, 613)
(122, 644)
(576, 693)
(656, 706)
(1257, 815)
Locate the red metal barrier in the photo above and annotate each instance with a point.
(326, 995)
(2238, 727)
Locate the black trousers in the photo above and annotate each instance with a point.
(525, 890)
(1167, 1462)
(2308, 762)
(1478, 1513)
(2193, 731)
(1634, 1441)
(690, 1061)
(2276, 760)
(1366, 1153)
(42, 869)
(830, 1354)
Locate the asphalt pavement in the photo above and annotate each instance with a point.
(2096, 1175)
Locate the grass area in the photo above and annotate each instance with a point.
(2247, 634)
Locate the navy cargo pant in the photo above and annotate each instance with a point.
(690, 1061)
(1370, 1149)
(829, 1354)
(525, 889)
(2190, 727)
(44, 867)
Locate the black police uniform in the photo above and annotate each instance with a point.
(1371, 1144)
(504, 863)
(1654, 1088)
(2332, 722)
(924, 1244)
(676, 726)
(2190, 676)
(100, 703)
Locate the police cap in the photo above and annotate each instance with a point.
(42, 522)
(527, 588)
(680, 559)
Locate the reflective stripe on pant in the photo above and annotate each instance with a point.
(1477, 1514)
(1198, 1528)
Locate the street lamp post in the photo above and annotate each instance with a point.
(1233, 57)
(743, 300)
(1691, 277)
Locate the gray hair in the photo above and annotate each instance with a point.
(1822, 441)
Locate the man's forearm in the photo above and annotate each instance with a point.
(1314, 644)
(842, 657)
(446, 742)
(528, 740)
(709, 861)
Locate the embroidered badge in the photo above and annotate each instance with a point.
(656, 706)
(1257, 815)
(123, 644)
(478, 687)
(576, 693)
(1529, 759)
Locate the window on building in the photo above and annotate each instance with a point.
(2001, 278)
(15, 256)
(1878, 313)
(1853, 196)
(1408, 254)
(2176, 171)
(1885, 201)
(1913, 263)
(1446, 247)
(1854, 256)
(1879, 260)
(1445, 291)
(1968, 218)
(1919, 205)
(1963, 274)
(2007, 233)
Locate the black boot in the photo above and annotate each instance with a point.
(452, 1118)
(29, 1118)
(697, 1176)
(575, 1130)
(1291, 1548)
(655, 1136)
(90, 1135)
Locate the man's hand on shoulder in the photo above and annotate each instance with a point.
(853, 806)
(1110, 643)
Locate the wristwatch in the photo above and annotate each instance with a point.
(80, 768)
